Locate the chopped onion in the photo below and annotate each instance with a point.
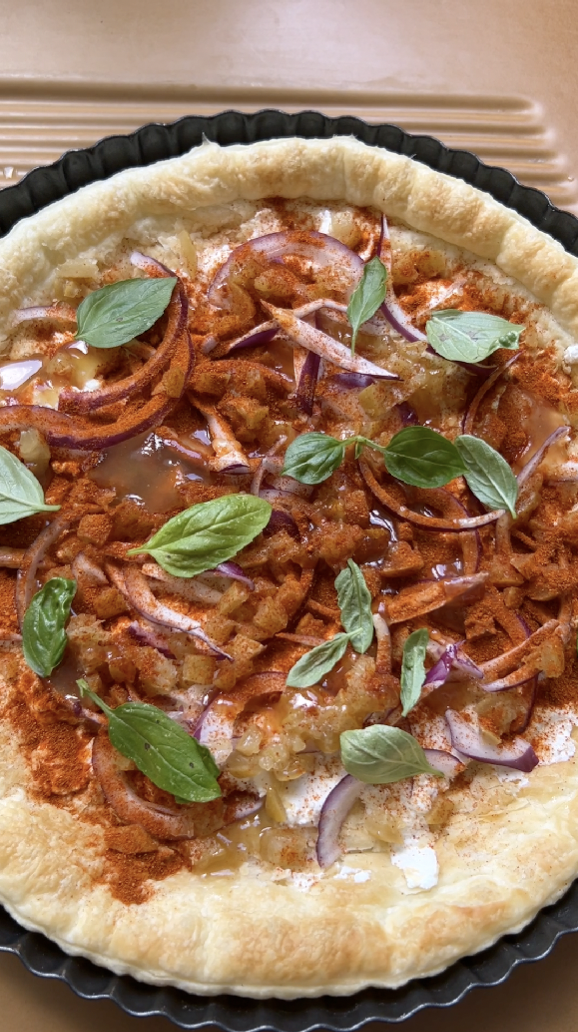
(466, 739)
(11, 558)
(333, 813)
(354, 381)
(281, 520)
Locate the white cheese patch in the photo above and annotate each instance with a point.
(418, 863)
(304, 797)
(353, 873)
(550, 733)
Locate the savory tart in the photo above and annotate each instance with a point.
(289, 570)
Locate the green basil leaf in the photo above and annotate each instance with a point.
(20, 493)
(207, 534)
(368, 295)
(120, 311)
(413, 669)
(312, 458)
(355, 605)
(43, 635)
(423, 458)
(161, 749)
(381, 754)
(488, 475)
(313, 666)
(470, 336)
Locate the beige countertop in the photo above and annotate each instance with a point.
(500, 80)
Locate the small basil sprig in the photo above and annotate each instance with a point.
(382, 754)
(355, 605)
(20, 493)
(368, 295)
(413, 668)
(470, 336)
(161, 749)
(207, 534)
(120, 311)
(43, 635)
(488, 475)
(416, 455)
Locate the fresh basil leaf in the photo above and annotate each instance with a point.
(120, 311)
(207, 534)
(422, 457)
(488, 475)
(43, 635)
(312, 458)
(470, 336)
(161, 749)
(20, 493)
(355, 605)
(413, 669)
(381, 754)
(313, 666)
(368, 295)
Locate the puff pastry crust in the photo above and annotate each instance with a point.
(506, 851)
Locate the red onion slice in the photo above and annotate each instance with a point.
(429, 522)
(204, 818)
(470, 416)
(307, 383)
(146, 636)
(148, 264)
(26, 585)
(391, 308)
(133, 586)
(320, 249)
(229, 455)
(509, 660)
(266, 331)
(192, 588)
(281, 520)
(515, 679)
(427, 596)
(536, 459)
(333, 813)
(234, 572)
(449, 764)
(466, 739)
(83, 566)
(452, 659)
(352, 381)
(322, 344)
(59, 313)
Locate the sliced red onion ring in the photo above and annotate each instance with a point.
(391, 308)
(26, 580)
(59, 313)
(307, 383)
(466, 739)
(234, 572)
(449, 764)
(133, 586)
(261, 335)
(88, 401)
(322, 344)
(144, 261)
(470, 416)
(146, 636)
(536, 459)
(264, 332)
(429, 522)
(14, 374)
(197, 819)
(229, 455)
(320, 249)
(333, 813)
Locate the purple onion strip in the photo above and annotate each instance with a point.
(234, 572)
(536, 459)
(467, 740)
(333, 813)
(444, 761)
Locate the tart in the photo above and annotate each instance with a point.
(316, 527)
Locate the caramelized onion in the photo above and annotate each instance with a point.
(429, 522)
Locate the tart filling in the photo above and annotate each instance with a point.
(368, 646)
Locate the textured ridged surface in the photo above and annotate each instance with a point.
(510, 130)
(233, 1014)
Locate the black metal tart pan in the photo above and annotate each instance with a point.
(234, 1014)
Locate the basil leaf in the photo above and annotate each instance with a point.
(312, 458)
(355, 605)
(43, 635)
(488, 475)
(120, 311)
(413, 669)
(381, 754)
(470, 336)
(313, 666)
(422, 457)
(368, 295)
(161, 749)
(20, 493)
(207, 534)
